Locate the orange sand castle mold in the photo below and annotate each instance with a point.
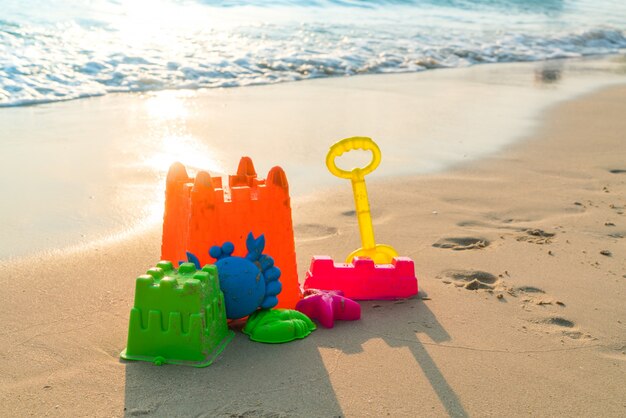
(200, 213)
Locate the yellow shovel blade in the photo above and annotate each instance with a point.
(381, 254)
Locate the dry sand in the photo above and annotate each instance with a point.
(543, 335)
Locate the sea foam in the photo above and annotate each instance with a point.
(66, 50)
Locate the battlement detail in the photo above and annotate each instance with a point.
(201, 213)
(178, 317)
(362, 279)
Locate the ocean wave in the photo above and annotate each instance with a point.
(94, 55)
(519, 5)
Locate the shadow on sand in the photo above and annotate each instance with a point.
(259, 380)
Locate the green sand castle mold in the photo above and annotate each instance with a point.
(179, 316)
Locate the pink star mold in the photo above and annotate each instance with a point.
(326, 306)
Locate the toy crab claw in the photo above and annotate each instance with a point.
(247, 283)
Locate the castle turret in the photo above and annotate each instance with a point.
(201, 213)
(178, 317)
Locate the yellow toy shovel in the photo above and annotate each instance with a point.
(380, 253)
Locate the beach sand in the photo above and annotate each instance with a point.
(537, 225)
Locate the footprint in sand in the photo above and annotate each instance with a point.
(528, 292)
(313, 232)
(536, 236)
(531, 295)
(558, 321)
(473, 224)
(378, 216)
(509, 224)
(618, 209)
(529, 289)
(502, 224)
(559, 325)
(459, 244)
(469, 279)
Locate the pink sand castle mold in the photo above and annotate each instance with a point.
(326, 306)
(362, 279)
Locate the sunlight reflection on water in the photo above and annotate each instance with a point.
(66, 49)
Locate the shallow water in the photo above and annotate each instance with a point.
(52, 50)
(79, 172)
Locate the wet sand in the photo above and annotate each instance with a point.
(521, 262)
(94, 169)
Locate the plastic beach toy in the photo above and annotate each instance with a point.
(178, 316)
(326, 306)
(249, 282)
(362, 279)
(380, 253)
(202, 211)
(278, 326)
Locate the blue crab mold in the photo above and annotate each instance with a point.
(249, 282)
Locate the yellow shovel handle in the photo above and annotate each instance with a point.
(350, 144)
